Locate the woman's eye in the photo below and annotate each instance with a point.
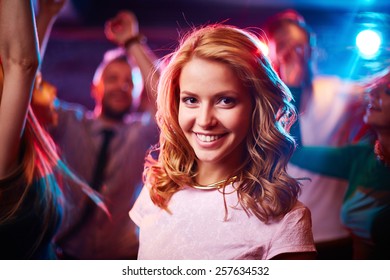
(226, 101)
(189, 100)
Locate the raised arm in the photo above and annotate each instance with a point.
(45, 93)
(48, 11)
(123, 30)
(20, 59)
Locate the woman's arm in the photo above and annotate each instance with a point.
(123, 30)
(47, 14)
(20, 59)
(330, 161)
(44, 93)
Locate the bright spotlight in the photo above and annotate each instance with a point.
(368, 42)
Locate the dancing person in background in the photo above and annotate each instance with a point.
(107, 147)
(30, 169)
(326, 118)
(365, 211)
(219, 187)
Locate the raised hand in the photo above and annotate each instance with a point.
(122, 27)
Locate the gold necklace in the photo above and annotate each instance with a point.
(216, 185)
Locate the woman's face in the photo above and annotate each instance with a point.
(378, 109)
(290, 54)
(214, 112)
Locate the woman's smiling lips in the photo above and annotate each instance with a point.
(208, 139)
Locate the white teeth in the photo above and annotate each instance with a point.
(207, 138)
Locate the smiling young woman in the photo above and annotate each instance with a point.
(219, 187)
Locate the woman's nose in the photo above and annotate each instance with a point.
(206, 117)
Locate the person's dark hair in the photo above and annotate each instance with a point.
(289, 16)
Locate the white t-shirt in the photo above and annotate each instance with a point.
(196, 228)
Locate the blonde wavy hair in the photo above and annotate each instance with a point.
(264, 187)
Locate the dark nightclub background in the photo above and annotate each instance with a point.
(77, 42)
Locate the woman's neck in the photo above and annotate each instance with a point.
(211, 173)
